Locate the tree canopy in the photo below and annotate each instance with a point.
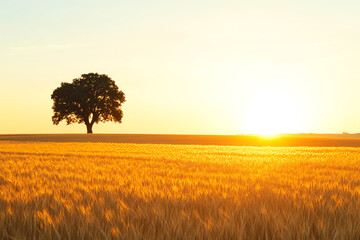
(90, 99)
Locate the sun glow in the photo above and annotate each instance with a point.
(272, 111)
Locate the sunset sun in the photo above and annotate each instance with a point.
(271, 111)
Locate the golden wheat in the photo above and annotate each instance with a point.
(145, 191)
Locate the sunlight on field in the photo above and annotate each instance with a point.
(144, 191)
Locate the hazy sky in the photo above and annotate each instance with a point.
(199, 67)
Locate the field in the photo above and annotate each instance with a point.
(85, 190)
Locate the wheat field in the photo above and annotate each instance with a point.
(154, 191)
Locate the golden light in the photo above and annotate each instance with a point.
(271, 111)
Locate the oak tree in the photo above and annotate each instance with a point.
(90, 99)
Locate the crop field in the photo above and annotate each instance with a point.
(84, 190)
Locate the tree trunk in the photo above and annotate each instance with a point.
(89, 128)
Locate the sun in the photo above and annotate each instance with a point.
(271, 111)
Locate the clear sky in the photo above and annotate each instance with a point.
(186, 67)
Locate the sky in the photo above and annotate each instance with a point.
(186, 67)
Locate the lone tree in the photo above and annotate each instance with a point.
(90, 99)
